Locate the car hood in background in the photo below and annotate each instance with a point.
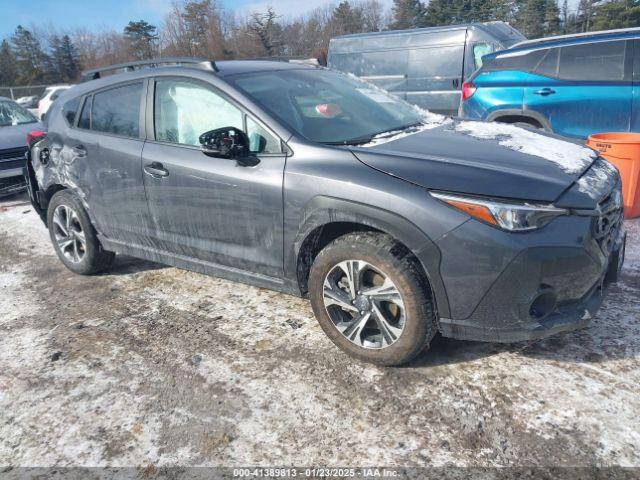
(15, 136)
(480, 158)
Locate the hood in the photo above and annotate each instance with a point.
(15, 136)
(488, 159)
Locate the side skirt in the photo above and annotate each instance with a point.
(200, 266)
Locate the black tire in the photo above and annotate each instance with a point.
(398, 265)
(95, 259)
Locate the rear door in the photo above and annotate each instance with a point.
(583, 88)
(205, 208)
(103, 155)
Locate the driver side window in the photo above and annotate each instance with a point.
(184, 110)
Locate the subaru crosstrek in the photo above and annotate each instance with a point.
(573, 86)
(395, 222)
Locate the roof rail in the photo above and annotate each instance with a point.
(556, 38)
(95, 73)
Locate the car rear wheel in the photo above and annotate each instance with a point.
(73, 236)
(371, 298)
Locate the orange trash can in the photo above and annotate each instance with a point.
(622, 150)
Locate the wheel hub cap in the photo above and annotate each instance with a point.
(362, 303)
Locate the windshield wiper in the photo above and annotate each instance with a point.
(368, 138)
(353, 141)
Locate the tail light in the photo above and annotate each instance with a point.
(34, 136)
(38, 105)
(468, 89)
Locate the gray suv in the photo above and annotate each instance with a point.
(395, 222)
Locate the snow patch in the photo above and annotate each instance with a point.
(15, 301)
(572, 158)
(594, 182)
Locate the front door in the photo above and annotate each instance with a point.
(206, 208)
(583, 89)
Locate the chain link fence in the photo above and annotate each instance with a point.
(24, 91)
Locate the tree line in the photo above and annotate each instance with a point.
(203, 28)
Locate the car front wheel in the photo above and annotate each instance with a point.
(372, 299)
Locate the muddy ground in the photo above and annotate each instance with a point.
(150, 365)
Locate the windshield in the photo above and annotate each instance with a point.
(13, 114)
(328, 107)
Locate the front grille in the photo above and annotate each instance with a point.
(12, 154)
(11, 164)
(609, 221)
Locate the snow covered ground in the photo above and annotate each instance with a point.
(154, 366)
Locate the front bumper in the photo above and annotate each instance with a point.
(565, 264)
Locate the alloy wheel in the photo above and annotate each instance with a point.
(364, 304)
(69, 236)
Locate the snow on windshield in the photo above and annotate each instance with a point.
(572, 158)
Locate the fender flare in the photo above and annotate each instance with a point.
(531, 114)
(323, 211)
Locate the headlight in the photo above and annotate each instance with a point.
(508, 216)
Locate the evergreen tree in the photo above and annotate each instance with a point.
(616, 14)
(345, 19)
(30, 60)
(70, 65)
(8, 74)
(142, 38)
(438, 12)
(63, 63)
(551, 18)
(407, 14)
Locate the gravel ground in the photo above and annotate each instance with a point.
(152, 366)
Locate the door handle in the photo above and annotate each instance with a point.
(545, 91)
(156, 170)
(79, 151)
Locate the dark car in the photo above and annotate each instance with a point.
(396, 223)
(15, 123)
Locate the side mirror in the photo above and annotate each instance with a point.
(226, 142)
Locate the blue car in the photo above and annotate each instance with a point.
(572, 85)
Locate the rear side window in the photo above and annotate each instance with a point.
(524, 61)
(69, 110)
(548, 65)
(601, 61)
(85, 116)
(117, 111)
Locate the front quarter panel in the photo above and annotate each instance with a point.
(325, 185)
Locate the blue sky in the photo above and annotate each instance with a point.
(115, 14)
